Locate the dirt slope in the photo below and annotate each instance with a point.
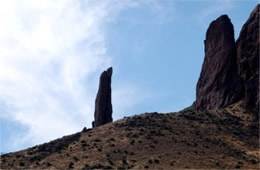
(226, 138)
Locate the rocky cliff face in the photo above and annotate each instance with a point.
(219, 82)
(230, 71)
(103, 104)
(248, 59)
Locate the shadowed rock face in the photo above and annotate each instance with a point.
(219, 84)
(230, 71)
(103, 104)
(248, 59)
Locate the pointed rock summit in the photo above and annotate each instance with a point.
(230, 71)
(103, 104)
(219, 82)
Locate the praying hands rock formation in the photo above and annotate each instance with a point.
(103, 104)
(230, 72)
(219, 84)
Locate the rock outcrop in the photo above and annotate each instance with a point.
(248, 59)
(230, 72)
(103, 104)
(219, 83)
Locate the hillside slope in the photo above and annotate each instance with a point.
(220, 130)
(225, 138)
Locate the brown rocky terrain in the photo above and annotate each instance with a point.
(220, 130)
(226, 138)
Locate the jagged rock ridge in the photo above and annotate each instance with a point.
(230, 71)
(103, 104)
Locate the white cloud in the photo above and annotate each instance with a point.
(49, 53)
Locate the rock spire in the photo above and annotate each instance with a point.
(230, 71)
(103, 104)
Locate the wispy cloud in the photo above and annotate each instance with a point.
(50, 52)
(51, 56)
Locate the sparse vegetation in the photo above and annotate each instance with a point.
(71, 165)
(148, 137)
(21, 164)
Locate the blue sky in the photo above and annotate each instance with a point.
(52, 53)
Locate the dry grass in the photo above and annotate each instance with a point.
(225, 138)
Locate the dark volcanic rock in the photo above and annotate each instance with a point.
(248, 59)
(219, 83)
(230, 71)
(103, 105)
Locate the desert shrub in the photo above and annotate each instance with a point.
(17, 156)
(148, 137)
(150, 161)
(124, 160)
(155, 141)
(71, 165)
(238, 166)
(135, 136)
(86, 166)
(112, 145)
(156, 161)
(21, 164)
(97, 140)
(133, 160)
(75, 158)
(110, 161)
(84, 145)
(152, 146)
(253, 161)
(132, 142)
(83, 141)
(99, 150)
(146, 166)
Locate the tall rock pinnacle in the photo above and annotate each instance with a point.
(219, 83)
(230, 71)
(103, 104)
